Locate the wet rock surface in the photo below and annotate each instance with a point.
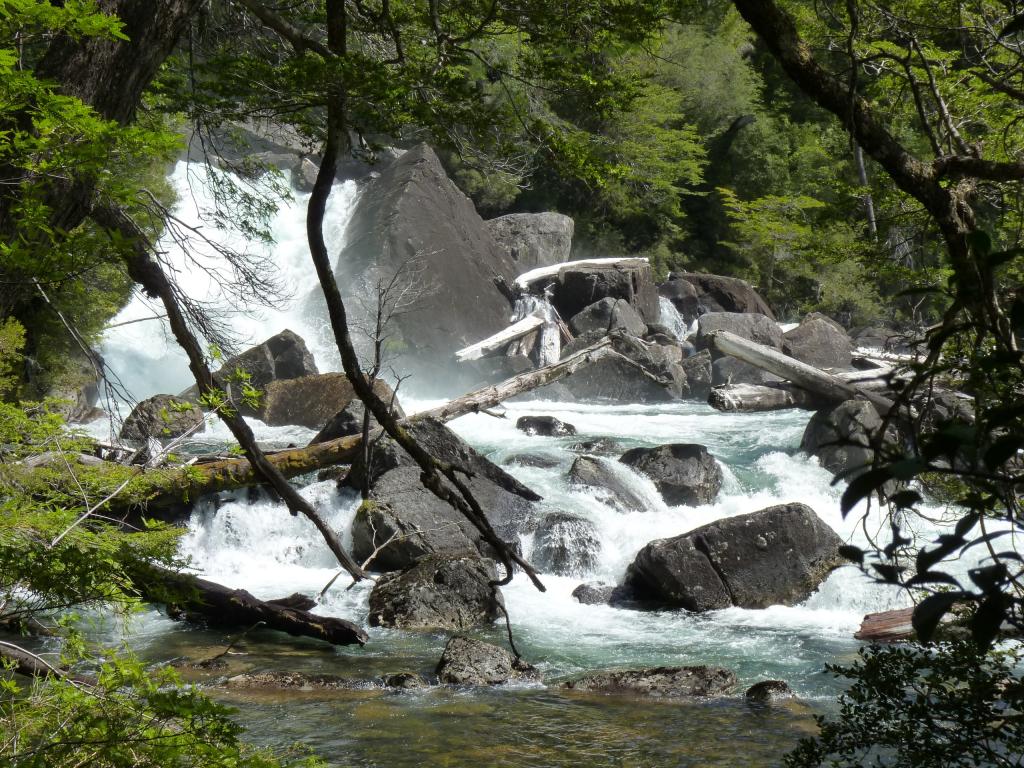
(778, 555)
(684, 473)
(545, 426)
(768, 691)
(658, 682)
(594, 473)
(466, 661)
(566, 544)
(438, 592)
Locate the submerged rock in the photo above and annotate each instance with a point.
(301, 681)
(566, 545)
(438, 592)
(162, 416)
(400, 506)
(545, 426)
(778, 555)
(472, 662)
(538, 460)
(658, 682)
(684, 473)
(768, 691)
(599, 593)
(592, 472)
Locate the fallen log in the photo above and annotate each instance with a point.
(805, 376)
(754, 398)
(527, 279)
(887, 626)
(170, 488)
(26, 663)
(194, 599)
(494, 343)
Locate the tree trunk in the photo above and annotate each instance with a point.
(830, 387)
(753, 398)
(218, 605)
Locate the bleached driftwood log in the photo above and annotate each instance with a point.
(752, 398)
(527, 279)
(805, 376)
(495, 343)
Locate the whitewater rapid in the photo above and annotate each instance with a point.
(250, 541)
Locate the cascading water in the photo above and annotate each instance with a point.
(672, 320)
(253, 543)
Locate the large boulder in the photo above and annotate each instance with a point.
(565, 544)
(412, 221)
(778, 555)
(753, 327)
(712, 293)
(842, 437)
(308, 401)
(650, 373)
(684, 473)
(349, 420)
(578, 287)
(437, 592)
(283, 356)
(533, 239)
(698, 372)
(820, 342)
(466, 661)
(658, 682)
(600, 477)
(607, 315)
(400, 506)
(162, 416)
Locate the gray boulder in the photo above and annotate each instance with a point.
(162, 416)
(658, 682)
(400, 505)
(578, 287)
(820, 342)
(599, 593)
(283, 356)
(598, 474)
(413, 218)
(349, 420)
(778, 555)
(533, 239)
(472, 662)
(713, 293)
(545, 426)
(753, 327)
(608, 315)
(437, 592)
(308, 401)
(841, 437)
(684, 473)
(625, 380)
(565, 544)
(698, 372)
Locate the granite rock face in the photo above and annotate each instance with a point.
(534, 239)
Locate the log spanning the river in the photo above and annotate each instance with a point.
(826, 385)
(492, 344)
(189, 483)
(193, 597)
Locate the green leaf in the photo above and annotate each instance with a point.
(929, 613)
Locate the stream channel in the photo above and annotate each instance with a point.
(249, 541)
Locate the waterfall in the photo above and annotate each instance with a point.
(550, 344)
(671, 319)
(143, 353)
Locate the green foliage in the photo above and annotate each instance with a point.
(130, 717)
(12, 342)
(949, 704)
